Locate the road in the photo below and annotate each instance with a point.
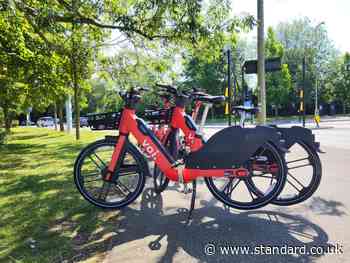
(154, 229)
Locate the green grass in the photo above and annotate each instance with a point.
(43, 217)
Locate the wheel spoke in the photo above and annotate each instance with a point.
(293, 185)
(98, 157)
(128, 169)
(96, 164)
(250, 192)
(298, 166)
(91, 174)
(230, 187)
(93, 180)
(298, 160)
(227, 185)
(123, 186)
(295, 179)
(119, 190)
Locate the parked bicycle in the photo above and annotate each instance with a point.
(242, 167)
(303, 163)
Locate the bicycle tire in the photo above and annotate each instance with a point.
(130, 197)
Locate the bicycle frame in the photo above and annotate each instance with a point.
(154, 150)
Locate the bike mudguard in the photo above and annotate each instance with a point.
(295, 133)
(232, 147)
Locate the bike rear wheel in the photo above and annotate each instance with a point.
(90, 169)
(304, 172)
(238, 192)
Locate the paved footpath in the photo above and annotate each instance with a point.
(154, 228)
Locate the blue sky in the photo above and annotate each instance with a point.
(335, 14)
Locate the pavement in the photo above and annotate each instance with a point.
(155, 227)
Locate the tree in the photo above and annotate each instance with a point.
(204, 64)
(341, 82)
(14, 55)
(278, 84)
(301, 38)
(32, 73)
(150, 19)
(147, 63)
(63, 38)
(60, 22)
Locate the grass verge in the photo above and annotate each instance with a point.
(43, 217)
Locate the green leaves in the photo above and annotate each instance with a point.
(278, 84)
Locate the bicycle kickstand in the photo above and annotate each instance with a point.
(193, 199)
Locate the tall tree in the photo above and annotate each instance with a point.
(341, 81)
(278, 84)
(14, 56)
(204, 63)
(301, 37)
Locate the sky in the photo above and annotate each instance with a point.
(334, 13)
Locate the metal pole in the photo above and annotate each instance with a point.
(316, 97)
(69, 113)
(261, 63)
(243, 86)
(229, 85)
(316, 85)
(303, 99)
(204, 115)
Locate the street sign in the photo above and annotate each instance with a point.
(271, 65)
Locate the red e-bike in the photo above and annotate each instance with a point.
(234, 162)
(304, 169)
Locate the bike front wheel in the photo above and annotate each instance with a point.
(238, 192)
(90, 169)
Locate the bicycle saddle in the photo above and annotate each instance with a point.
(245, 109)
(212, 99)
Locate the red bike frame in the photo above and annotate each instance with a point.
(162, 131)
(153, 149)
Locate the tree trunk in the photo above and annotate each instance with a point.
(55, 115)
(75, 75)
(60, 115)
(77, 110)
(76, 97)
(8, 120)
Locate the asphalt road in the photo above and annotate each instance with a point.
(155, 229)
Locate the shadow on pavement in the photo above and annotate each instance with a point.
(212, 225)
(322, 206)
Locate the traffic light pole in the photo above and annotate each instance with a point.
(303, 98)
(261, 63)
(229, 85)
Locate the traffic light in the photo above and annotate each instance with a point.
(227, 111)
(301, 95)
